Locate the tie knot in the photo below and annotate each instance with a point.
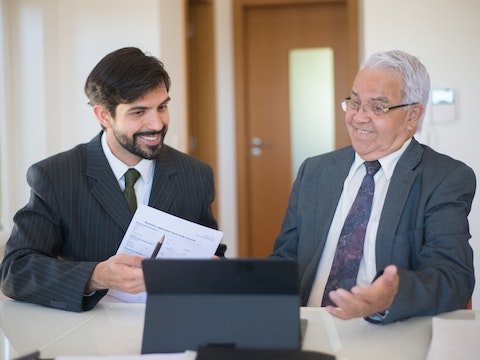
(131, 177)
(372, 167)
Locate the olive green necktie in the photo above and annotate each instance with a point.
(131, 176)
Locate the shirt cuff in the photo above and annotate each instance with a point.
(378, 318)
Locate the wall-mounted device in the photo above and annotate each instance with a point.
(443, 106)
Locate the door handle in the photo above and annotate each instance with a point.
(258, 142)
(257, 145)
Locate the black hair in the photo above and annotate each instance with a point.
(123, 76)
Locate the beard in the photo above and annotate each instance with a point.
(132, 144)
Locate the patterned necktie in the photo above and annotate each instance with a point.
(131, 177)
(350, 244)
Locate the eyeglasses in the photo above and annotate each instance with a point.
(373, 108)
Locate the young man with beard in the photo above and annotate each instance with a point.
(62, 250)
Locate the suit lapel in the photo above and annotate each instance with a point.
(402, 179)
(104, 186)
(164, 190)
(332, 179)
(106, 190)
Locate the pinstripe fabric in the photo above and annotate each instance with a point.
(77, 216)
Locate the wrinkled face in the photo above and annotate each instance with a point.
(138, 130)
(373, 136)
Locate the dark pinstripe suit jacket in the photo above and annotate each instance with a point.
(423, 228)
(77, 216)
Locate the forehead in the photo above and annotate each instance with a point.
(378, 85)
(154, 96)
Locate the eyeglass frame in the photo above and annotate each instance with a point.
(384, 110)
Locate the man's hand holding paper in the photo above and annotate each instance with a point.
(154, 233)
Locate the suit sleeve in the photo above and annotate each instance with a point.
(438, 275)
(32, 269)
(286, 244)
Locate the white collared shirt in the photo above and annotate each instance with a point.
(143, 186)
(368, 268)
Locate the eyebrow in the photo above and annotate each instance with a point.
(136, 108)
(167, 100)
(140, 107)
(381, 99)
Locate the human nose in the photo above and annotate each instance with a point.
(363, 113)
(159, 120)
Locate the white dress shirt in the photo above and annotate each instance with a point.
(143, 186)
(368, 268)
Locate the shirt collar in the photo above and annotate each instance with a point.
(144, 167)
(388, 162)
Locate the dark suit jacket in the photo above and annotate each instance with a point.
(77, 216)
(423, 227)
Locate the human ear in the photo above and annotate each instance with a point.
(103, 116)
(413, 117)
(415, 112)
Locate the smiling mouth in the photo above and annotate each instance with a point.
(151, 140)
(149, 137)
(362, 131)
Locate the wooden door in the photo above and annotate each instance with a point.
(202, 116)
(265, 31)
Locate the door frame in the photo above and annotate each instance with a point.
(240, 7)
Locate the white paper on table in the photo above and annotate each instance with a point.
(454, 339)
(182, 239)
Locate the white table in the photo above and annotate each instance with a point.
(116, 329)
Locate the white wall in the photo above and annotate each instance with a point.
(53, 45)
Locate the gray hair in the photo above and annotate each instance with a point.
(416, 81)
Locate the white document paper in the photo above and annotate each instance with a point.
(454, 339)
(154, 233)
